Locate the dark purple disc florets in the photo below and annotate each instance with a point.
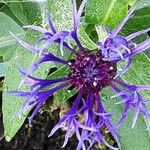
(90, 72)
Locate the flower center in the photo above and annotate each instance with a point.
(90, 72)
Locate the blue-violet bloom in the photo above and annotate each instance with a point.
(90, 72)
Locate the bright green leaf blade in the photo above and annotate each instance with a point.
(1, 59)
(22, 11)
(7, 43)
(106, 12)
(3, 68)
(140, 20)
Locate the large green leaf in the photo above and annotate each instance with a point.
(106, 12)
(18, 11)
(4, 8)
(11, 103)
(136, 138)
(7, 43)
(139, 72)
(22, 11)
(140, 21)
(33, 16)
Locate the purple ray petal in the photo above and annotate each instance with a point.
(79, 13)
(51, 57)
(21, 93)
(143, 87)
(125, 100)
(43, 39)
(51, 24)
(55, 37)
(75, 37)
(136, 113)
(47, 57)
(121, 93)
(72, 111)
(68, 132)
(36, 110)
(140, 48)
(34, 82)
(132, 36)
(132, 99)
(37, 28)
(123, 115)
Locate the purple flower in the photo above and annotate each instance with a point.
(90, 72)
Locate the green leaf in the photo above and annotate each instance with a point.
(18, 11)
(7, 43)
(136, 138)
(12, 103)
(139, 72)
(102, 33)
(85, 39)
(32, 11)
(1, 59)
(4, 8)
(3, 68)
(61, 12)
(22, 12)
(106, 12)
(140, 21)
(141, 4)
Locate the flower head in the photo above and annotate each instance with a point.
(90, 72)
